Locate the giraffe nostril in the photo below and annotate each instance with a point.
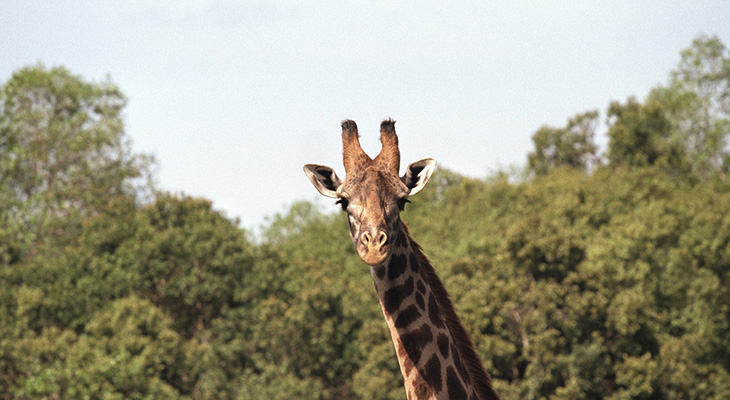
(365, 238)
(382, 238)
(374, 238)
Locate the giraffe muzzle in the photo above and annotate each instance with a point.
(373, 247)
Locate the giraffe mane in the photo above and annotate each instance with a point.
(464, 344)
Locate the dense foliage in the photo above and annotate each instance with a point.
(594, 277)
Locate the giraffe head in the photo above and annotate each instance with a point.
(372, 194)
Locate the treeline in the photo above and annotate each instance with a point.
(594, 275)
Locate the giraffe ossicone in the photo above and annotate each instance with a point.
(435, 354)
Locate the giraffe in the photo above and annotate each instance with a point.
(435, 354)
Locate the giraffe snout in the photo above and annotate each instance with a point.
(381, 238)
(373, 247)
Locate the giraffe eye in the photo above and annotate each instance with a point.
(343, 202)
(402, 203)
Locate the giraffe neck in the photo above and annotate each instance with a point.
(435, 354)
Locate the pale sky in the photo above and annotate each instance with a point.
(232, 98)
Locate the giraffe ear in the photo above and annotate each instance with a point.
(418, 173)
(324, 179)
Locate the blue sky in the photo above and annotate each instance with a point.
(233, 98)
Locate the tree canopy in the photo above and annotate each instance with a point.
(572, 146)
(63, 153)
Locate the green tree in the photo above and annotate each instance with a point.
(190, 259)
(641, 135)
(683, 127)
(176, 263)
(697, 104)
(178, 252)
(63, 153)
(128, 350)
(572, 146)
